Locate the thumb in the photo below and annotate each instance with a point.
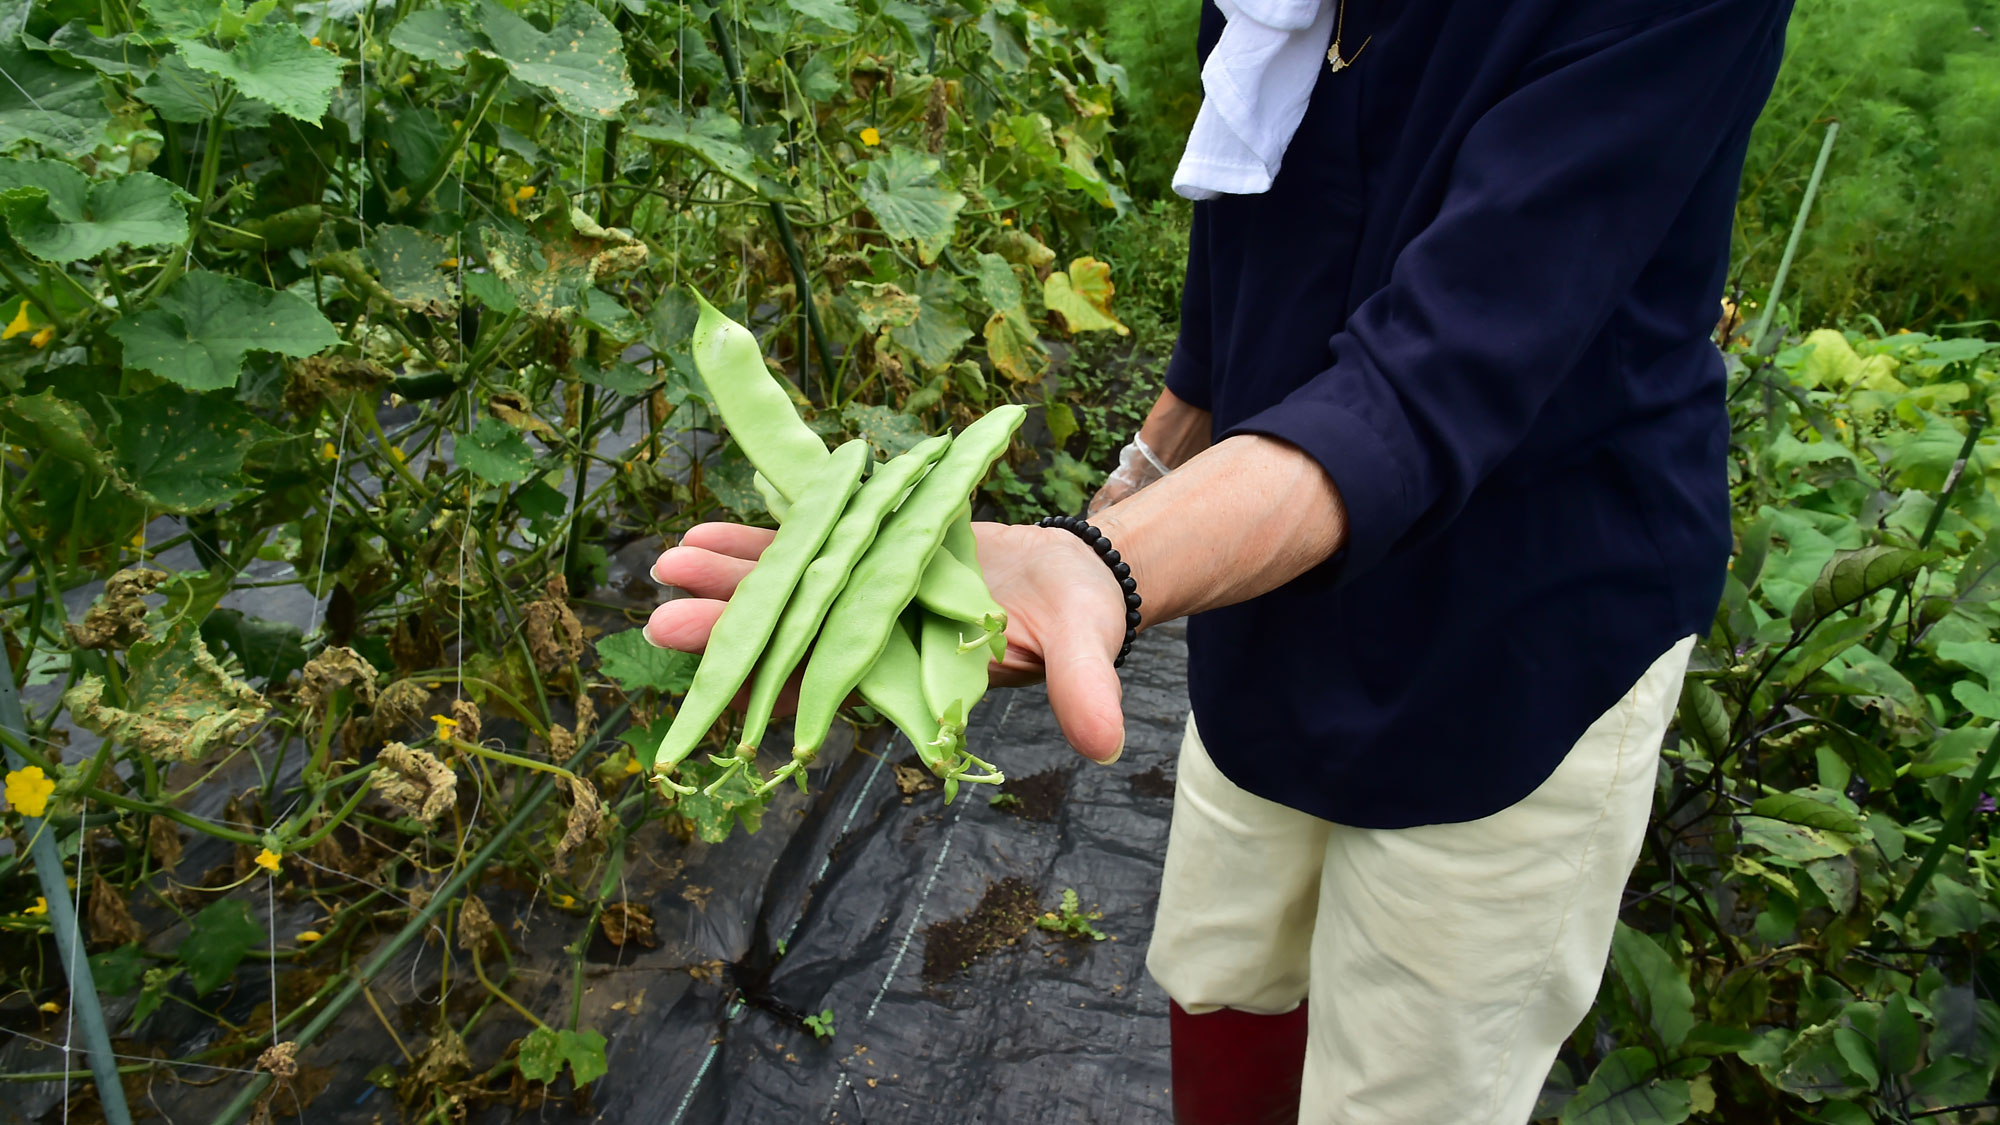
(1085, 694)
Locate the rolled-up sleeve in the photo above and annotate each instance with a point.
(1559, 196)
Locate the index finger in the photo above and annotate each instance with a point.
(739, 540)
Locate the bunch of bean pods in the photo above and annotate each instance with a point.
(872, 581)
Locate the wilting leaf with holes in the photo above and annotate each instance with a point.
(549, 269)
(409, 262)
(888, 430)
(1082, 297)
(58, 215)
(905, 192)
(179, 700)
(1013, 347)
(59, 109)
(198, 331)
(277, 65)
(180, 452)
(713, 137)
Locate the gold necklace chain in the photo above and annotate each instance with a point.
(1333, 55)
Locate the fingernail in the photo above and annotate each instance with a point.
(1115, 754)
(648, 634)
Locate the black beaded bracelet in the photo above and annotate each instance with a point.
(1084, 531)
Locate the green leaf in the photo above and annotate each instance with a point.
(108, 54)
(902, 189)
(711, 136)
(1925, 460)
(584, 1052)
(1790, 841)
(1715, 1039)
(634, 662)
(223, 934)
(58, 215)
(1062, 422)
(267, 650)
(58, 425)
(1827, 642)
(181, 452)
(1703, 717)
(1859, 1055)
(1851, 576)
(495, 453)
(1982, 657)
(832, 13)
(118, 971)
(1898, 1039)
(939, 330)
(1082, 297)
(1983, 702)
(887, 430)
(580, 60)
(153, 994)
(998, 285)
(277, 65)
(1659, 989)
(198, 331)
(621, 377)
(1625, 1090)
(40, 103)
(410, 263)
(1797, 808)
(186, 96)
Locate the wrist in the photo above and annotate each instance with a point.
(1108, 580)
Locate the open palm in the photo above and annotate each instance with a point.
(1065, 616)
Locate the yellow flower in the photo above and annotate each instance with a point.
(315, 40)
(632, 766)
(565, 901)
(1006, 222)
(41, 906)
(871, 137)
(1840, 423)
(525, 191)
(307, 937)
(449, 263)
(268, 860)
(396, 451)
(328, 453)
(19, 324)
(51, 1007)
(28, 791)
(446, 727)
(41, 339)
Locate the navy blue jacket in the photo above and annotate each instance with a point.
(1480, 294)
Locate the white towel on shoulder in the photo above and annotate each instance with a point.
(1255, 86)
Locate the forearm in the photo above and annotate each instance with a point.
(1239, 519)
(1175, 430)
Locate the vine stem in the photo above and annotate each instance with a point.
(1955, 817)
(441, 167)
(1792, 243)
(778, 217)
(211, 168)
(449, 892)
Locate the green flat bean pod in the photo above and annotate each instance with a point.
(746, 623)
(952, 588)
(963, 547)
(891, 686)
(954, 677)
(753, 404)
(827, 576)
(884, 582)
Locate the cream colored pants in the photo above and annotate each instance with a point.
(1444, 964)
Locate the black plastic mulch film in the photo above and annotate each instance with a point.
(705, 1028)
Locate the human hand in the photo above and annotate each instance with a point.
(1066, 616)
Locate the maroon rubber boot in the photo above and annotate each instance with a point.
(1237, 1068)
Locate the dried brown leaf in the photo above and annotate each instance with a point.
(415, 782)
(117, 621)
(629, 922)
(110, 918)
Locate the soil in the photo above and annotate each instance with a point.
(1003, 914)
(1038, 796)
(1153, 782)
